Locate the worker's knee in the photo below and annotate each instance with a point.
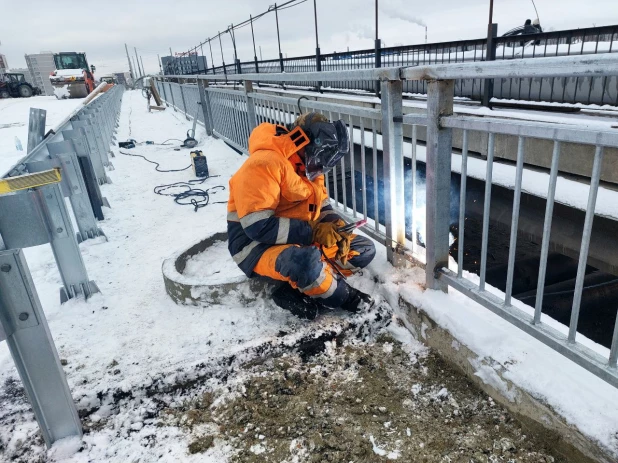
(366, 251)
(302, 265)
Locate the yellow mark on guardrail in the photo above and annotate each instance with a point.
(23, 182)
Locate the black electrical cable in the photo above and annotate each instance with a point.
(196, 197)
(155, 163)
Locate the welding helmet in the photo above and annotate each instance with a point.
(328, 143)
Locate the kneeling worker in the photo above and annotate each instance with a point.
(281, 224)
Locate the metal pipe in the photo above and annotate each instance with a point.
(141, 73)
(130, 66)
(413, 199)
(583, 253)
(514, 221)
(549, 211)
(462, 205)
(486, 205)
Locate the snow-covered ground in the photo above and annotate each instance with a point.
(131, 336)
(14, 115)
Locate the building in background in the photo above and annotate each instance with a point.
(25, 72)
(192, 64)
(3, 64)
(41, 65)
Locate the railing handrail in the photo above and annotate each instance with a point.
(559, 66)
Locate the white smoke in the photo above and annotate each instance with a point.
(400, 11)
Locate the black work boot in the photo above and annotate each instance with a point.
(297, 303)
(356, 301)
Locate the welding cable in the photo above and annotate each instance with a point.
(196, 197)
(155, 163)
(569, 291)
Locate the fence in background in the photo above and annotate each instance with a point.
(593, 89)
(69, 162)
(232, 114)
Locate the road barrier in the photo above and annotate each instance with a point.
(70, 161)
(231, 114)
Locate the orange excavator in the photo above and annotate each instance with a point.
(72, 78)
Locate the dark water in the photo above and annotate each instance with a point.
(600, 298)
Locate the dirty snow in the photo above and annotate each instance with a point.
(131, 337)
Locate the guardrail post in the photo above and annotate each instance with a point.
(36, 128)
(490, 55)
(438, 187)
(205, 103)
(392, 138)
(32, 347)
(64, 244)
(250, 105)
(184, 104)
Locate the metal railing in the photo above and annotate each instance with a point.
(373, 182)
(78, 148)
(584, 89)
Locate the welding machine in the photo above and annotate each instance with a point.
(199, 163)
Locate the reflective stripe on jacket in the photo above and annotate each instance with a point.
(271, 199)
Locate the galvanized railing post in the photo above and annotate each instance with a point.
(250, 105)
(164, 94)
(205, 103)
(32, 347)
(172, 94)
(184, 103)
(392, 138)
(439, 148)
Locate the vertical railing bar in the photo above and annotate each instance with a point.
(413, 199)
(486, 209)
(363, 168)
(613, 352)
(352, 165)
(335, 182)
(376, 211)
(343, 180)
(514, 221)
(462, 204)
(583, 253)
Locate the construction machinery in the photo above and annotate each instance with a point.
(72, 78)
(14, 85)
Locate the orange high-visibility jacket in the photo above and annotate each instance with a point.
(271, 199)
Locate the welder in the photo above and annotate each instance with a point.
(281, 224)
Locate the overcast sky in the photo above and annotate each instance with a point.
(101, 29)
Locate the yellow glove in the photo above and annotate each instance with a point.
(326, 234)
(343, 248)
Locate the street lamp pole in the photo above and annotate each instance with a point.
(378, 49)
(222, 58)
(279, 40)
(490, 55)
(257, 67)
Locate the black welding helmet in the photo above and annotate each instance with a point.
(328, 143)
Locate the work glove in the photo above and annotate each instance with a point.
(343, 247)
(326, 234)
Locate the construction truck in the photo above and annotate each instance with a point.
(72, 78)
(14, 85)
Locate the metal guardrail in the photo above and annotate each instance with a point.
(232, 114)
(30, 215)
(575, 42)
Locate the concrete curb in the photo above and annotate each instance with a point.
(536, 416)
(189, 292)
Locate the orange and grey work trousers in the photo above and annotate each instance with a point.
(306, 268)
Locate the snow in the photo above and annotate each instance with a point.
(132, 335)
(14, 115)
(213, 266)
